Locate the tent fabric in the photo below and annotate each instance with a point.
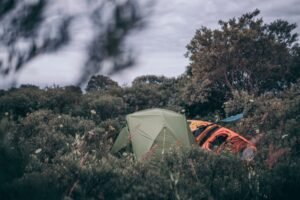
(122, 140)
(165, 141)
(233, 118)
(156, 130)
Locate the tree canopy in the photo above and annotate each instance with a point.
(244, 54)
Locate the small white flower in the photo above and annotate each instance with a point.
(61, 126)
(38, 151)
(6, 113)
(111, 128)
(93, 112)
(59, 116)
(284, 136)
(251, 100)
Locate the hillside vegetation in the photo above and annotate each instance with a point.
(55, 142)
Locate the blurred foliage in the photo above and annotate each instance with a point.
(108, 45)
(29, 29)
(55, 142)
(23, 36)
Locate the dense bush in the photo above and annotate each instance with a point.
(19, 102)
(57, 153)
(55, 142)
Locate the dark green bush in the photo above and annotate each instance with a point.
(58, 147)
(19, 102)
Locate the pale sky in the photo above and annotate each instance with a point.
(161, 46)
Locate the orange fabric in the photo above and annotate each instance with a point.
(234, 142)
(194, 124)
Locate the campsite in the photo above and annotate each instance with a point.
(62, 144)
(153, 132)
(226, 127)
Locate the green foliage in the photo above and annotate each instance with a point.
(100, 83)
(55, 142)
(282, 182)
(11, 161)
(61, 100)
(102, 107)
(19, 102)
(151, 91)
(244, 54)
(60, 153)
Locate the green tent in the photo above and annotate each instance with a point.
(154, 131)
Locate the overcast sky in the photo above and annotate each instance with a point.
(160, 47)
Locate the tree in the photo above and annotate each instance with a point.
(150, 79)
(151, 91)
(101, 83)
(244, 54)
(29, 29)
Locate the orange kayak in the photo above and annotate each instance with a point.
(213, 137)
